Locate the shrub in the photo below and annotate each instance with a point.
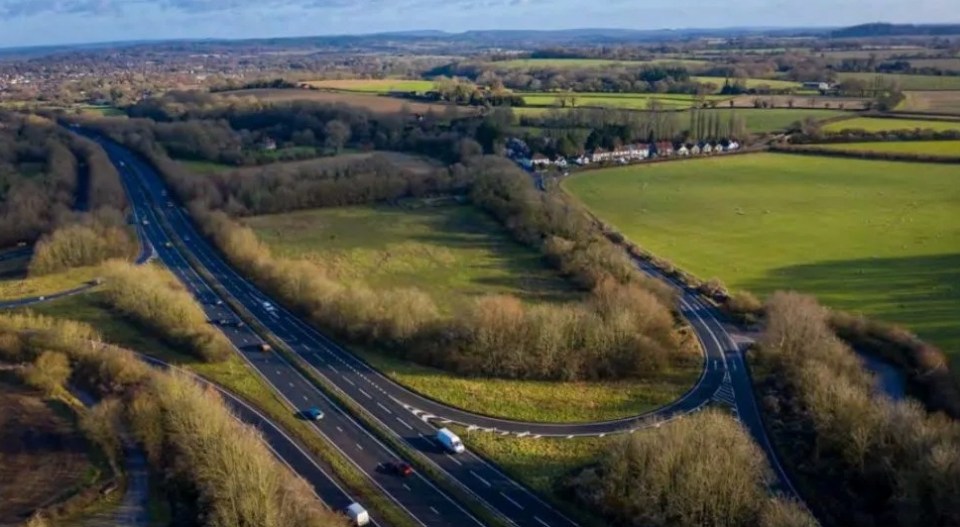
(48, 372)
(149, 297)
(890, 462)
(78, 245)
(700, 470)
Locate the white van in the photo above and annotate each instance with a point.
(357, 514)
(450, 441)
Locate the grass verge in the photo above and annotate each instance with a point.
(23, 286)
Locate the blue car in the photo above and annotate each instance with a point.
(313, 414)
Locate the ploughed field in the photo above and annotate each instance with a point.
(43, 456)
(455, 253)
(876, 237)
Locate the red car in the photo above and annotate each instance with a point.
(399, 468)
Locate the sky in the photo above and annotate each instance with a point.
(41, 22)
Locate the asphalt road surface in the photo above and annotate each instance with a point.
(725, 379)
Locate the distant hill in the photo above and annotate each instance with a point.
(879, 29)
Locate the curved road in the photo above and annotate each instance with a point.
(725, 378)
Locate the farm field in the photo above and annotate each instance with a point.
(946, 102)
(374, 85)
(759, 120)
(941, 148)
(875, 237)
(751, 83)
(943, 63)
(632, 101)
(908, 82)
(454, 253)
(801, 102)
(880, 124)
(372, 102)
(44, 457)
(585, 63)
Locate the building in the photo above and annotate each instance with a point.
(683, 150)
(540, 160)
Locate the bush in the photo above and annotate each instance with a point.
(48, 372)
(889, 462)
(700, 470)
(79, 245)
(148, 296)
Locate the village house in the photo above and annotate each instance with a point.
(683, 150)
(540, 160)
(695, 149)
(705, 148)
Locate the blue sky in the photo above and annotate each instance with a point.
(37, 22)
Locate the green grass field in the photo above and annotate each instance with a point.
(584, 63)
(940, 148)
(751, 83)
(545, 401)
(375, 85)
(908, 82)
(875, 237)
(454, 253)
(631, 101)
(770, 119)
(879, 124)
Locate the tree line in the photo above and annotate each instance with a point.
(156, 301)
(214, 470)
(700, 470)
(863, 459)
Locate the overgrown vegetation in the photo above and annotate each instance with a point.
(154, 301)
(701, 470)
(217, 471)
(864, 459)
(92, 240)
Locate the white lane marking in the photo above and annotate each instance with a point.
(405, 423)
(435, 511)
(340, 429)
(455, 460)
(305, 398)
(348, 380)
(358, 446)
(511, 501)
(279, 372)
(385, 409)
(291, 384)
(485, 482)
(405, 486)
(541, 522)
(365, 393)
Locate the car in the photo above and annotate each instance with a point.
(400, 468)
(168, 244)
(238, 323)
(219, 302)
(265, 347)
(146, 221)
(313, 413)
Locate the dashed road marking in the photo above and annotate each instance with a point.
(517, 505)
(385, 409)
(485, 482)
(365, 393)
(405, 423)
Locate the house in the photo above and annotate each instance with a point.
(560, 162)
(581, 160)
(733, 145)
(540, 160)
(664, 149)
(268, 144)
(638, 151)
(683, 151)
(694, 149)
(599, 155)
(822, 86)
(705, 148)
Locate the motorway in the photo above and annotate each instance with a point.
(725, 379)
(418, 495)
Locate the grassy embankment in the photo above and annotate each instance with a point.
(874, 237)
(773, 84)
(879, 124)
(18, 285)
(374, 85)
(456, 254)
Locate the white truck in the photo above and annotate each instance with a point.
(357, 514)
(450, 441)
